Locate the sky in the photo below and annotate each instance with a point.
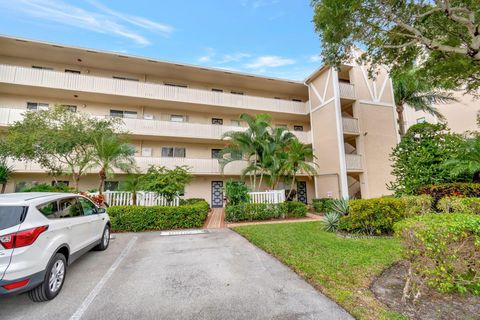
(272, 38)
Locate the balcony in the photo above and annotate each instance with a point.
(158, 127)
(353, 162)
(347, 90)
(350, 126)
(100, 85)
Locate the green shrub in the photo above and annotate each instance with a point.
(296, 209)
(416, 205)
(43, 187)
(186, 202)
(373, 216)
(255, 211)
(322, 204)
(457, 204)
(140, 218)
(340, 206)
(443, 251)
(458, 189)
(331, 221)
(236, 192)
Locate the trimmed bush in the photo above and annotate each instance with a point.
(296, 209)
(443, 251)
(236, 192)
(416, 205)
(43, 187)
(322, 205)
(456, 204)
(141, 218)
(255, 211)
(186, 202)
(458, 189)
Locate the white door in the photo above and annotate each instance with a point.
(77, 225)
(96, 220)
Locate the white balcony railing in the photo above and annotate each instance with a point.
(347, 90)
(158, 127)
(94, 84)
(353, 162)
(350, 125)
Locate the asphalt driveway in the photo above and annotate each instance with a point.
(217, 275)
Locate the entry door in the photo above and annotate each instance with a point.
(302, 191)
(217, 194)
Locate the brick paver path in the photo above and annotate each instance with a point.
(216, 219)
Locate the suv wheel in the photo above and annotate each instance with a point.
(53, 281)
(105, 239)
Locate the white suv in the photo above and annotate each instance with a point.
(42, 233)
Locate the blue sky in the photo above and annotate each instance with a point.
(267, 37)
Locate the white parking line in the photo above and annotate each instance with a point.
(91, 296)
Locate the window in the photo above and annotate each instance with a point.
(49, 210)
(60, 183)
(297, 100)
(237, 92)
(217, 121)
(70, 107)
(148, 116)
(88, 207)
(111, 185)
(177, 118)
(298, 128)
(421, 120)
(125, 78)
(11, 216)
(146, 152)
(19, 186)
(72, 71)
(173, 152)
(217, 90)
(179, 85)
(123, 114)
(69, 208)
(235, 123)
(37, 106)
(216, 153)
(42, 68)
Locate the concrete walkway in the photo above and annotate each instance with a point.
(216, 275)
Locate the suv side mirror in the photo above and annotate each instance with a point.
(101, 210)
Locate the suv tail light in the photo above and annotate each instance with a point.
(21, 238)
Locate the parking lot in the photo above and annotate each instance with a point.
(216, 275)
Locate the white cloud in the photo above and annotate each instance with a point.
(108, 22)
(212, 56)
(269, 61)
(315, 58)
(255, 4)
(235, 57)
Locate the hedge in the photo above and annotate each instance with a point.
(443, 251)
(457, 204)
(377, 216)
(141, 218)
(263, 211)
(189, 201)
(322, 205)
(457, 189)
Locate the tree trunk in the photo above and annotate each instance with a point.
(260, 183)
(76, 178)
(103, 177)
(291, 187)
(4, 186)
(134, 198)
(401, 119)
(476, 177)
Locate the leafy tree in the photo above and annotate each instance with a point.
(418, 158)
(236, 192)
(441, 36)
(58, 139)
(132, 184)
(410, 89)
(6, 172)
(111, 151)
(299, 159)
(466, 161)
(167, 182)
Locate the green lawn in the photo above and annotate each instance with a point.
(340, 268)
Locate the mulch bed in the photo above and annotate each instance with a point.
(388, 288)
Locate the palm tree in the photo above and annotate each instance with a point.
(299, 159)
(132, 184)
(5, 173)
(467, 160)
(111, 151)
(409, 88)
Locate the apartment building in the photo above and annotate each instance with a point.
(176, 114)
(460, 116)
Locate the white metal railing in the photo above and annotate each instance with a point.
(347, 90)
(350, 125)
(96, 84)
(273, 196)
(353, 161)
(158, 127)
(144, 198)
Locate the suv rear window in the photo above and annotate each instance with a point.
(11, 216)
